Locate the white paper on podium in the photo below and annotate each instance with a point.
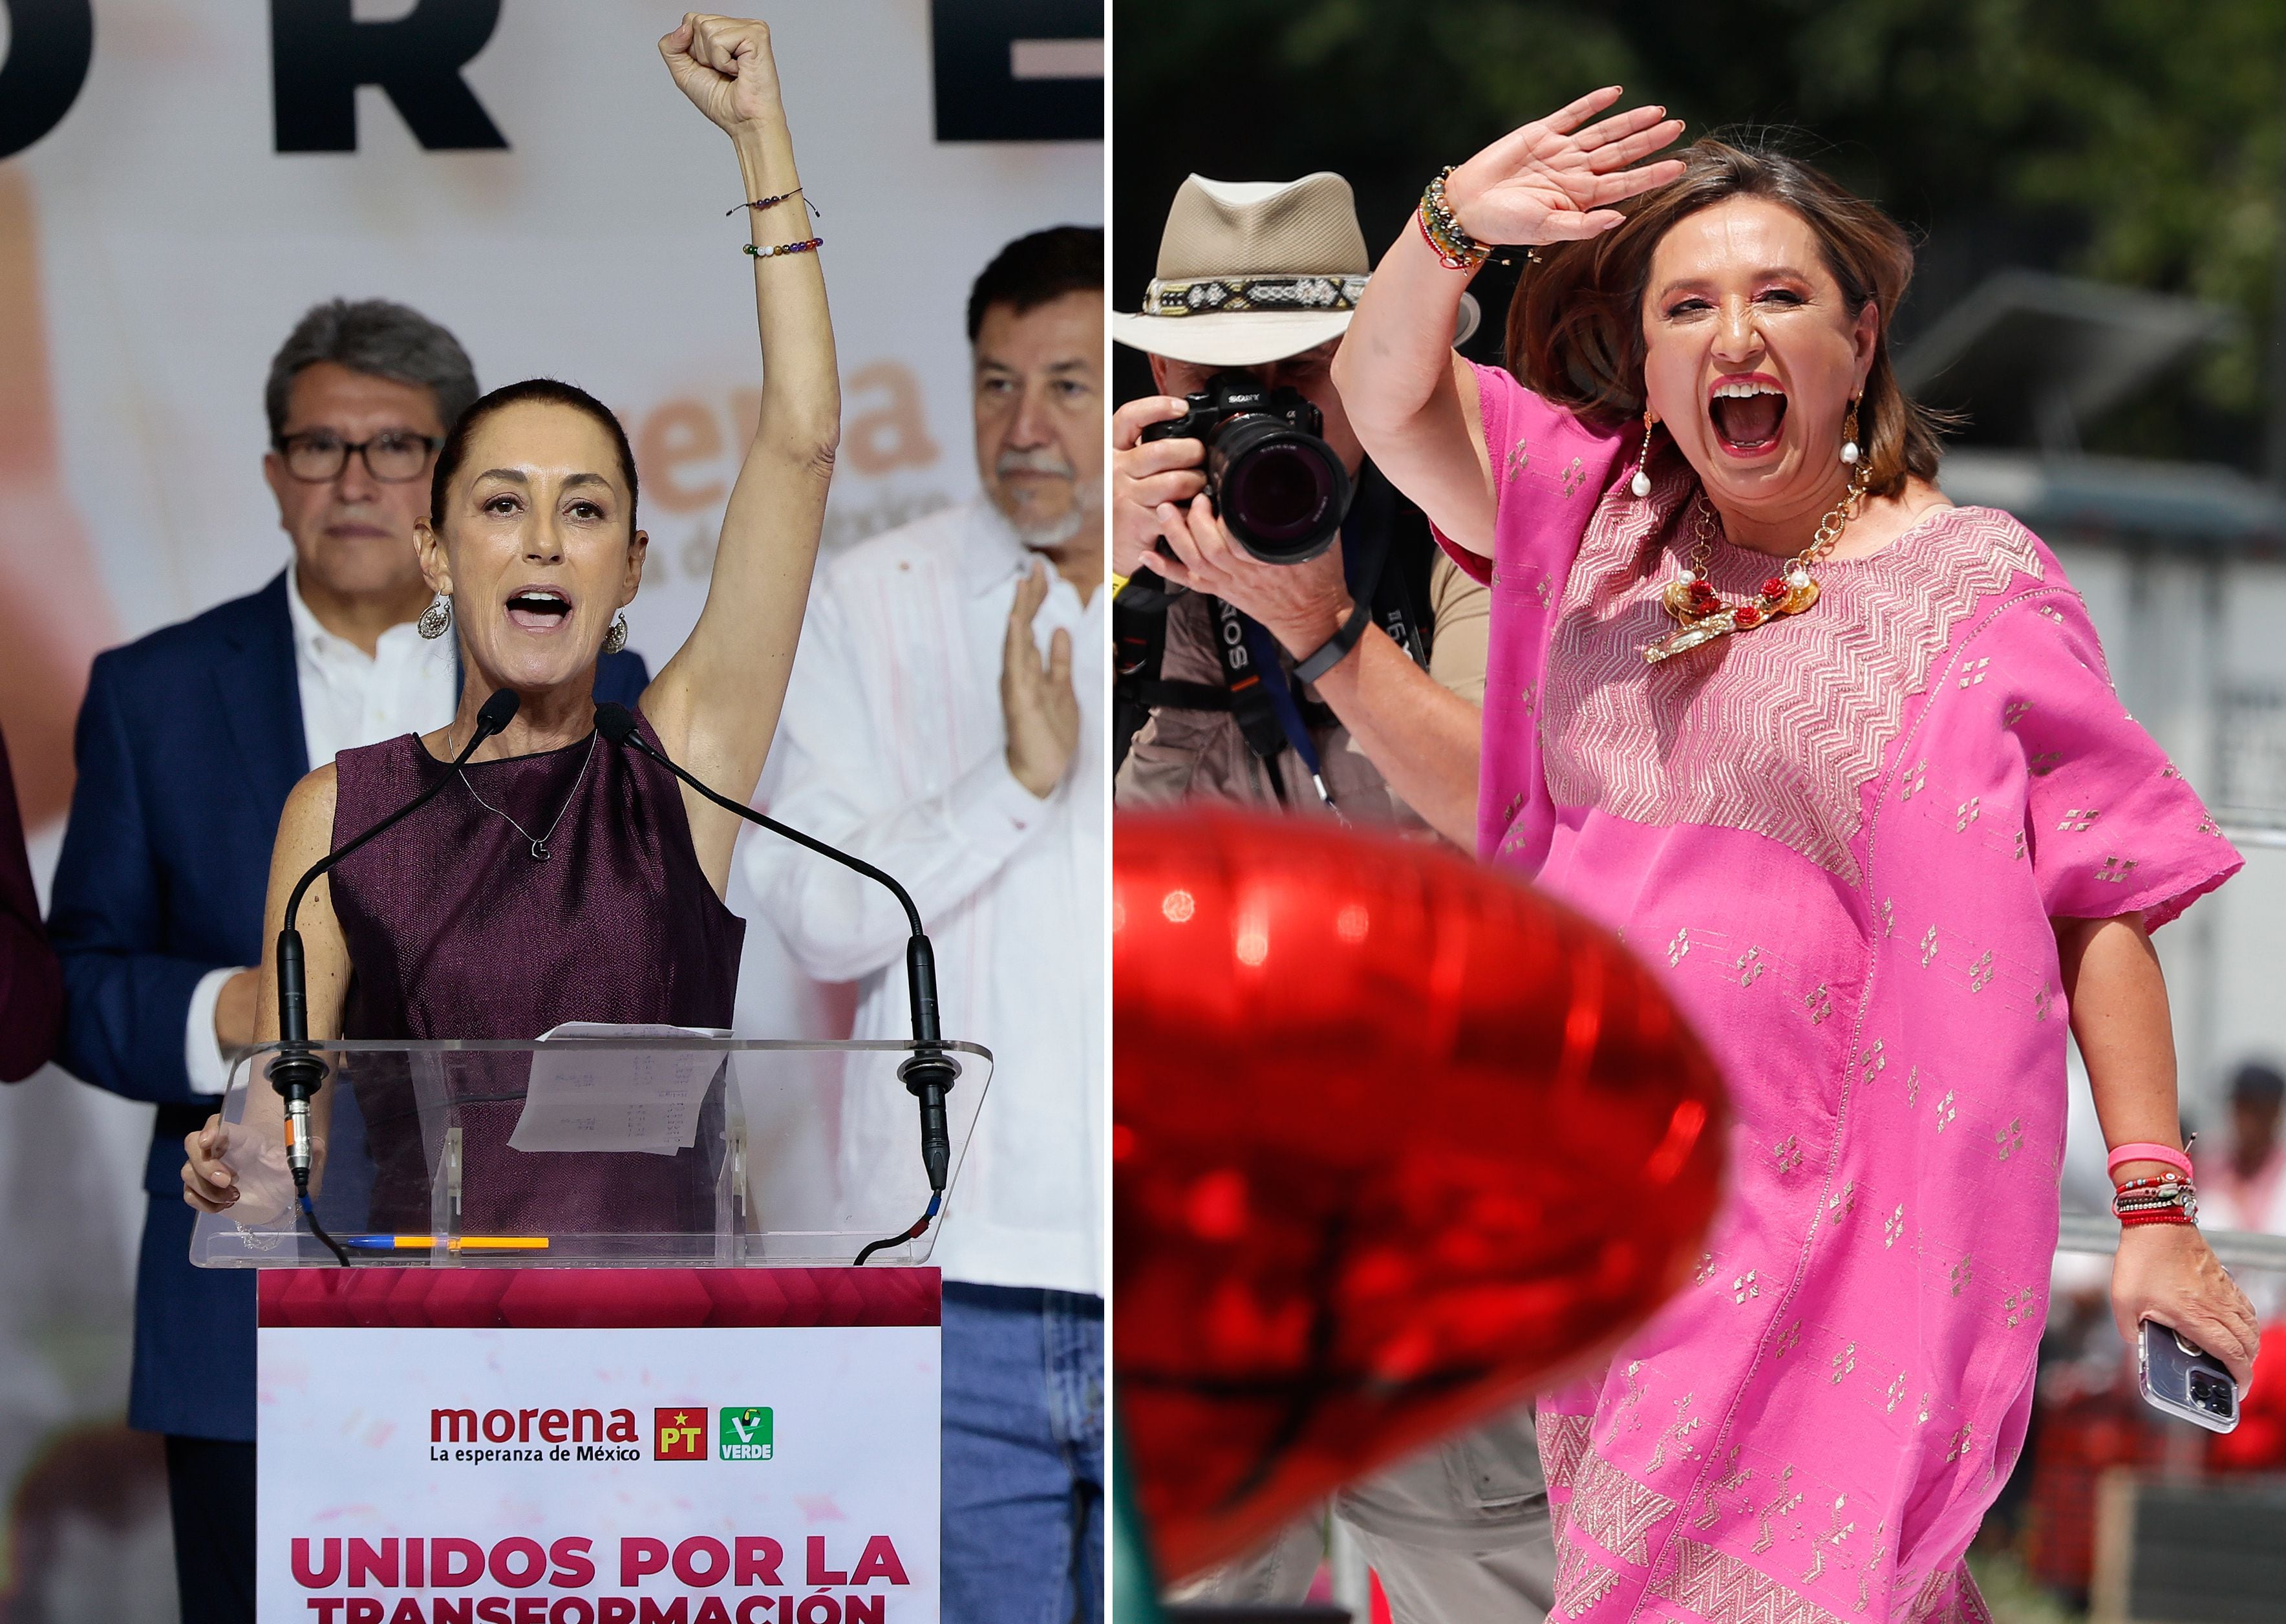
(578, 1099)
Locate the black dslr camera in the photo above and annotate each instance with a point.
(1279, 487)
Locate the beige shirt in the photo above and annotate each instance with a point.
(1181, 754)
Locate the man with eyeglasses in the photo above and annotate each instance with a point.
(189, 740)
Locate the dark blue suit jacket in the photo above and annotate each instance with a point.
(189, 741)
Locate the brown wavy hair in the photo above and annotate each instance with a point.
(1575, 330)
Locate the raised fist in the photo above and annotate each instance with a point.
(724, 66)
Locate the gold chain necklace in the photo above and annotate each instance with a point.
(1701, 616)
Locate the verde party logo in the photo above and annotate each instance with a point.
(745, 1434)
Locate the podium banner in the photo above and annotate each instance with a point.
(480, 1445)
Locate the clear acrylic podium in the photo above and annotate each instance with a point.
(612, 1152)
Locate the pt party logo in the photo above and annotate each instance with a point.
(680, 1435)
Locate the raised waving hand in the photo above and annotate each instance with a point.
(1556, 179)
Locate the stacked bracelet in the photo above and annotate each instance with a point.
(2166, 1156)
(807, 246)
(1456, 250)
(2167, 1199)
(772, 201)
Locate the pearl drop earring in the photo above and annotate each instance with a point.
(1849, 435)
(1641, 484)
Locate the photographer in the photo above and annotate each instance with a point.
(1254, 289)
(1292, 634)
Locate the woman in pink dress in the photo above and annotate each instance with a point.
(1838, 759)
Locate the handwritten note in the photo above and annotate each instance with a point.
(584, 1098)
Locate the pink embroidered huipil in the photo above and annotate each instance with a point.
(1840, 838)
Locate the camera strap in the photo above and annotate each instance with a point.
(1381, 523)
(1245, 678)
(1284, 704)
(1266, 704)
(1139, 643)
(1139, 638)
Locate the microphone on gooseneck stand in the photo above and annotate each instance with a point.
(296, 1073)
(930, 1070)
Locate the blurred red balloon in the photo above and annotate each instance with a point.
(1396, 1140)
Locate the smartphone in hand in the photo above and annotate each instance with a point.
(2185, 1380)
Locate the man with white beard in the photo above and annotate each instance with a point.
(945, 722)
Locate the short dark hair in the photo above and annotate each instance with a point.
(2255, 1083)
(547, 392)
(374, 336)
(1033, 270)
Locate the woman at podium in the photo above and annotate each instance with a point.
(564, 877)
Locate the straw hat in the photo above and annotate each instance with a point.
(1252, 271)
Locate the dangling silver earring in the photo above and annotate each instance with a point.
(616, 639)
(1849, 436)
(437, 619)
(1641, 484)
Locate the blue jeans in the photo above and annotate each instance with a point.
(1023, 1456)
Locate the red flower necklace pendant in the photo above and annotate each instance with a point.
(1701, 616)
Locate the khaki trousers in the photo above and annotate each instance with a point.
(1459, 1535)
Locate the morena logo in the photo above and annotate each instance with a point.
(531, 1426)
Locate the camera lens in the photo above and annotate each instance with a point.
(1282, 492)
(2211, 1393)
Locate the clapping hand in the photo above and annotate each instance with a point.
(1552, 180)
(724, 66)
(1036, 698)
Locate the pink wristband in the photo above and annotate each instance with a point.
(2171, 1158)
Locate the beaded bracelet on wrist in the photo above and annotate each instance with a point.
(773, 200)
(1456, 250)
(2168, 1199)
(2185, 1201)
(2143, 1191)
(2164, 1215)
(808, 245)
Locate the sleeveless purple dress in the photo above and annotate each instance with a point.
(454, 929)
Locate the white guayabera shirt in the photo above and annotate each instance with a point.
(350, 699)
(893, 747)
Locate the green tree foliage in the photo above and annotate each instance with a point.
(2132, 141)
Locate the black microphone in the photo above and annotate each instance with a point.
(929, 1071)
(296, 1073)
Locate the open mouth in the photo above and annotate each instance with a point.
(538, 609)
(1747, 413)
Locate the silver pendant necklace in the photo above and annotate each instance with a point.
(539, 841)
